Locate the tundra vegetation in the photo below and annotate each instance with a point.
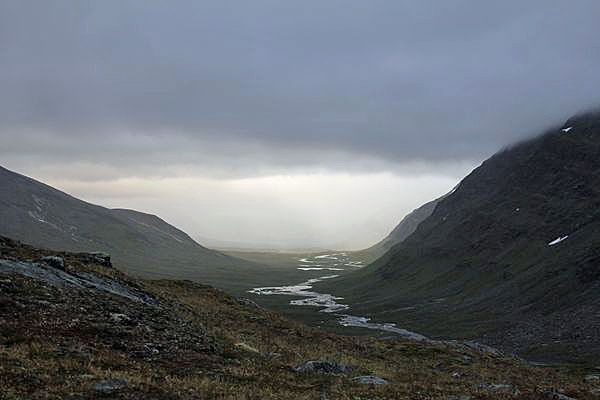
(167, 339)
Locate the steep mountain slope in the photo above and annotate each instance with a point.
(405, 228)
(511, 256)
(139, 243)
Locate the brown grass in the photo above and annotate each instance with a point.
(57, 343)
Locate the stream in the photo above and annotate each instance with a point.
(328, 303)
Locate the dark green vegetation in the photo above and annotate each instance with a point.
(141, 244)
(190, 341)
(481, 265)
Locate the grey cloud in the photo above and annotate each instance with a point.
(282, 84)
(168, 154)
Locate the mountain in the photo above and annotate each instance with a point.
(511, 257)
(73, 328)
(139, 243)
(405, 228)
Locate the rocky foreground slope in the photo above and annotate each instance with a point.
(74, 327)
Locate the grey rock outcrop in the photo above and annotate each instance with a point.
(60, 278)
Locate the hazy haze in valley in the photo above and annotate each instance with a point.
(290, 124)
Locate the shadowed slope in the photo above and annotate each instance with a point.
(488, 260)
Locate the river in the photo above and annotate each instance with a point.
(329, 303)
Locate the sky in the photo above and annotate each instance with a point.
(283, 123)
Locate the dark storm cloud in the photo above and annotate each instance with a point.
(204, 81)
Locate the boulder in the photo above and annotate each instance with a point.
(54, 261)
(247, 302)
(246, 348)
(474, 346)
(101, 258)
(323, 367)
(119, 318)
(498, 388)
(370, 380)
(110, 386)
(550, 394)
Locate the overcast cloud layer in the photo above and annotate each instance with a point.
(108, 90)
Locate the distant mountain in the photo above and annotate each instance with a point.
(405, 228)
(511, 257)
(139, 243)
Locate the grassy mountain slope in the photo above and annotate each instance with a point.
(482, 264)
(182, 340)
(139, 243)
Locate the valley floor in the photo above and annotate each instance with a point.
(311, 296)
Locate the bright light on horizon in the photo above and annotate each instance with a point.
(345, 211)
